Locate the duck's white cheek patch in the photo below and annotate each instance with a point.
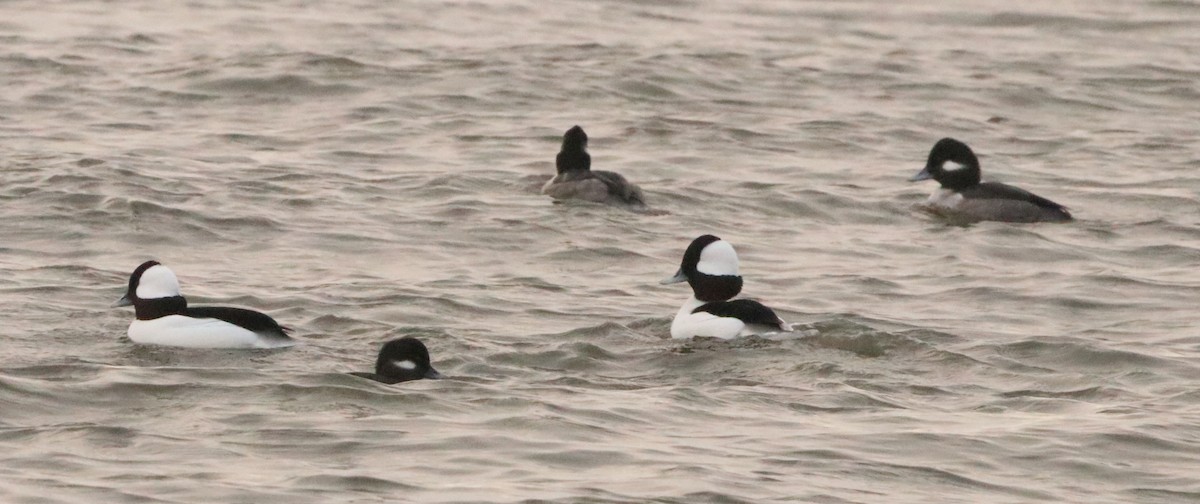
(952, 166)
(405, 364)
(718, 258)
(157, 282)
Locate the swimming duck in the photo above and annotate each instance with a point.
(163, 317)
(577, 180)
(402, 360)
(710, 266)
(963, 196)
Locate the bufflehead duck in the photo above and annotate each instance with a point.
(577, 180)
(962, 195)
(710, 266)
(164, 317)
(402, 360)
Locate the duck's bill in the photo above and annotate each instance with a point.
(922, 175)
(124, 301)
(433, 374)
(678, 277)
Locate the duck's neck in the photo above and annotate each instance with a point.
(150, 309)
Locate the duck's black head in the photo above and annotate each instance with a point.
(573, 155)
(135, 280)
(403, 360)
(153, 292)
(952, 164)
(710, 266)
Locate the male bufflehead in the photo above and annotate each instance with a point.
(710, 266)
(577, 180)
(962, 195)
(164, 317)
(402, 360)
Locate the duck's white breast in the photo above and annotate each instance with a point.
(189, 332)
(944, 198)
(688, 324)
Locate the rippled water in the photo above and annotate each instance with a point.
(367, 170)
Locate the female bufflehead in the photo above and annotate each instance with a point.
(402, 360)
(710, 266)
(164, 317)
(962, 195)
(577, 180)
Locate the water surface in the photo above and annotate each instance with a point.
(369, 170)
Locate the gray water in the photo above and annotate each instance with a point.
(368, 170)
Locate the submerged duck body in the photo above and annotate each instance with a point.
(710, 267)
(402, 360)
(576, 179)
(963, 196)
(163, 317)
